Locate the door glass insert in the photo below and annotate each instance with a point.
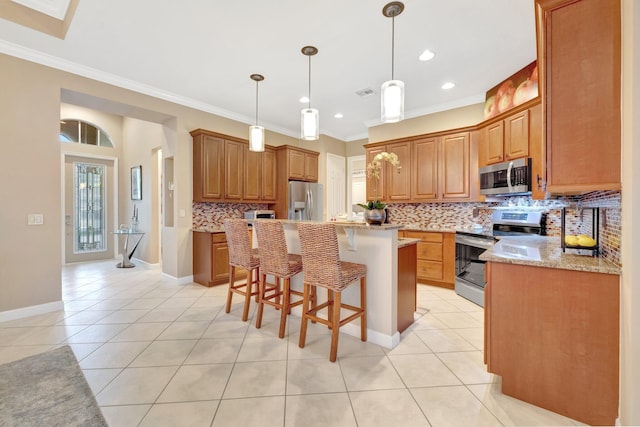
(89, 209)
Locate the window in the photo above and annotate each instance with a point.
(81, 132)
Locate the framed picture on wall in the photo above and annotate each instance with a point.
(136, 183)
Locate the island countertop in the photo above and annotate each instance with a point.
(544, 251)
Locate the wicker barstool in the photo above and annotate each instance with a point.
(276, 260)
(321, 266)
(243, 256)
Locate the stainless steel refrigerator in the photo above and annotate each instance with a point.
(305, 201)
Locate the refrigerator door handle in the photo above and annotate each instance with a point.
(309, 204)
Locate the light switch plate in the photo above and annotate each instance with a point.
(35, 219)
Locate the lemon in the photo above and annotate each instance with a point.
(586, 241)
(571, 240)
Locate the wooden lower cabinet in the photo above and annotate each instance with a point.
(407, 282)
(211, 259)
(553, 336)
(436, 257)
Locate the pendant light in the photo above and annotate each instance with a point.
(256, 133)
(310, 117)
(392, 99)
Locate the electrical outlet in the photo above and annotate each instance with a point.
(35, 219)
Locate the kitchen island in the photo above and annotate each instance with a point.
(552, 327)
(377, 248)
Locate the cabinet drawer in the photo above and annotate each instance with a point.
(430, 270)
(430, 251)
(218, 238)
(425, 236)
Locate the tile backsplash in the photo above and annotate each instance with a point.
(465, 215)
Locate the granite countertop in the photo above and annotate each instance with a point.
(209, 229)
(407, 241)
(544, 251)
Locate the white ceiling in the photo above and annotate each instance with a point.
(200, 53)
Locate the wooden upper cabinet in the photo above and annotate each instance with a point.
(269, 170)
(506, 139)
(494, 140)
(399, 182)
(455, 166)
(516, 136)
(435, 167)
(579, 57)
(234, 170)
(259, 175)
(425, 169)
(208, 167)
(301, 164)
(224, 170)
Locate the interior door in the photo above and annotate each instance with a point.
(88, 209)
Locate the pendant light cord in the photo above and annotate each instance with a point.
(309, 82)
(393, 44)
(256, 103)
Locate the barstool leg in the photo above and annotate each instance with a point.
(286, 287)
(232, 276)
(262, 284)
(363, 306)
(257, 282)
(247, 297)
(305, 309)
(335, 326)
(330, 307)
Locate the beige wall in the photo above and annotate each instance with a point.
(451, 119)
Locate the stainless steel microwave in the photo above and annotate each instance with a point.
(260, 214)
(506, 178)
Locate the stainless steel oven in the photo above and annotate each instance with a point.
(470, 280)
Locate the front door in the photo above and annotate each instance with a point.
(89, 209)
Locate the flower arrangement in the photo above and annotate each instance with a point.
(373, 172)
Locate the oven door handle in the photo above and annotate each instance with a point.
(476, 243)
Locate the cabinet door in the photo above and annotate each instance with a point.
(252, 174)
(310, 167)
(212, 167)
(296, 164)
(269, 175)
(516, 135)
(537, 153)
(455, 166)
(375, 189)
(581, 109)
(494, 140)
(399, 183)
(233, 170)
(220, 262)
(425, 169)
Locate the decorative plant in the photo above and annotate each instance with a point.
(373, 172)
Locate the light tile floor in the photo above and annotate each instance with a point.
(160, 354)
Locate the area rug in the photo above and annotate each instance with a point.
(47, 389)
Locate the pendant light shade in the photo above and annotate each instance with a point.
(392, 98)
(310, 117)
(310, 124)
(256, 133)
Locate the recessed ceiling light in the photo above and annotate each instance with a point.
(304, 99)
(426, 55)
(448, 85)
(338, 115)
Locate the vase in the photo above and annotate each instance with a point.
(375, 216)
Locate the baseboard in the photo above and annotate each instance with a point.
(179, 280)
(33, 310)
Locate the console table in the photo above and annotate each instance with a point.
(126, 253)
